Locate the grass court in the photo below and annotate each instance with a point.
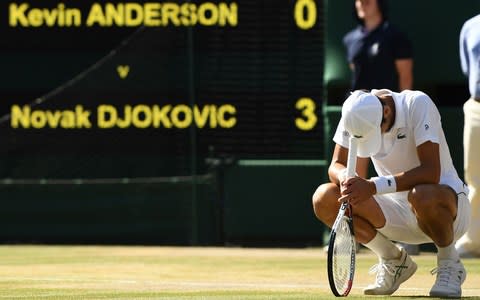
(139, 272)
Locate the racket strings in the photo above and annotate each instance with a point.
(342, 256)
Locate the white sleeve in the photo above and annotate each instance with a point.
(425, 119)
(464, 61)
(341, 135)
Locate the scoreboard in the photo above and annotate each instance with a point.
(144, 83)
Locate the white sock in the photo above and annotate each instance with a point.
(383, 247)
(448, 252)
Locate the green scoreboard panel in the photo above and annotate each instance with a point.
(146, 88)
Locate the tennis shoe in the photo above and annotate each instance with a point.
(390, 274)
(450, 276)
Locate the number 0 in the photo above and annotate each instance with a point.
(308, 19)
(307, 107)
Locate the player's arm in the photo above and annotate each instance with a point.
(339, 163)
(405, 73)
(427, 172)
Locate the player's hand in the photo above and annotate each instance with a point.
(355, 190)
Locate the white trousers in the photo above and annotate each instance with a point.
(471, 147)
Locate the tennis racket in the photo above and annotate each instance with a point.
(341, 247)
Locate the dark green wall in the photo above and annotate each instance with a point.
(138, 212)
(271, 205)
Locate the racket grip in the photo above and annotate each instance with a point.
(352, 157)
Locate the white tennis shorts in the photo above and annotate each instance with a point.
(401, 224)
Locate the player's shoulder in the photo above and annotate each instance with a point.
(399, 40)
(474, 21)
(353, 35)
(415, 96)
(392, 30)
(418, 102)
(415, 100)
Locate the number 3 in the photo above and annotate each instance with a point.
(307, 107)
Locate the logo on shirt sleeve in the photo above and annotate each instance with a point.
(427, 127)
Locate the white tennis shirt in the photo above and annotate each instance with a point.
(417, 121)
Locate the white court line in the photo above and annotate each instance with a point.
(263, 285)
(56, 279)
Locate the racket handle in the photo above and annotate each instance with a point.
(352, 157)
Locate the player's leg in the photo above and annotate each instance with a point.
(469, 244)
(325, 203)
(435, 207)
(411, 249)
(395, 265)
(443, 215)
(326, 206)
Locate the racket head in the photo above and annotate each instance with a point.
(341, 253)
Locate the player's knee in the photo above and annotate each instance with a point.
(420, 198)
(322, 199)
(324, 191)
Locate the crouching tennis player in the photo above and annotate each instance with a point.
(416, 198)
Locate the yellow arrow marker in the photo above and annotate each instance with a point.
(123, 71)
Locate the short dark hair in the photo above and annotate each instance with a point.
(382, 6)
